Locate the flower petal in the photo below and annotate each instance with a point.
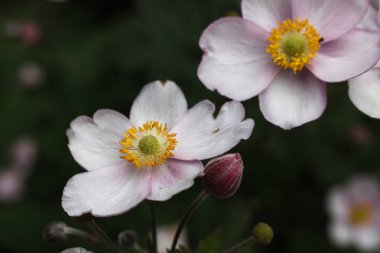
(340, 233)
(266, 13)
(107, 191)
(160, 101)
(364, 92)
(201, 136)
(76, 250)
(337, 204)
(347, 57)
(370, 20)
(173, 177)
(367, 238)
(94, 143)
(332, 19)
(235, 61)
(293, 99)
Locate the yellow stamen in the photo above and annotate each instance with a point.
(361, 214)
(148, 145)
(293, 44)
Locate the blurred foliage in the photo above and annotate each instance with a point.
(98, 54)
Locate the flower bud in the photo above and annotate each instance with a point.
(127, 239)
(55, 233)
(222, 175)
(262, 233)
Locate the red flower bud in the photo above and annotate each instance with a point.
(222, 175)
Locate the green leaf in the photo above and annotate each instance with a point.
(211, 244)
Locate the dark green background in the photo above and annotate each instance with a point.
(99, 54)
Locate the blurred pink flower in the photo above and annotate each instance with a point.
(153, 155)
(359, 134)
(13, 29)
(12, 179)
(31, 75)
(11, 185)
(285, 51)
(30, 33)
(354, 210)
(364, 90)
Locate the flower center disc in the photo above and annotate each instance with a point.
(293, 44)
(148, 145)
(361, 214)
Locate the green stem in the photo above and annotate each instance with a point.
(154, 230)
(82, 234)
(240, 245)
(103, 237)
(193, 206)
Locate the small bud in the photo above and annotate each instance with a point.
(127, 239)
(222, 175)
(262, 233)
(55, 233)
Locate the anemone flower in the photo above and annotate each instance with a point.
(76, 250)
(285, 51)
(354, 210)
(152, 155)
(364, 90)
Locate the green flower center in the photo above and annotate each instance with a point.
(149, 145)
(294, 44)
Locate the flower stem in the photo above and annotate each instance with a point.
(193, 206)
(240, 245)
(103, 237)
(82, 234)
(154, 231)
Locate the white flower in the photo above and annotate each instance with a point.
(153, 155)
(165, 235)
(354, 210)
(364, 90)
(76, 250)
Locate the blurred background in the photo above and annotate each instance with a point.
(62, 59)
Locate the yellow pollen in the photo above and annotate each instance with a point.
(293, 44)
(148, 145)
(361, 214)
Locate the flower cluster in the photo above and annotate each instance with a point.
(285, 52)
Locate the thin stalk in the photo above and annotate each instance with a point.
(193, 206)
(82, 234)
(103, 237)
(154, 230)
(240, 245)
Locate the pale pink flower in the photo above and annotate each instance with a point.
(285, 51)
(76, 250)
(354, 210)
(364, 90)
(152, 155)
(165, 235)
